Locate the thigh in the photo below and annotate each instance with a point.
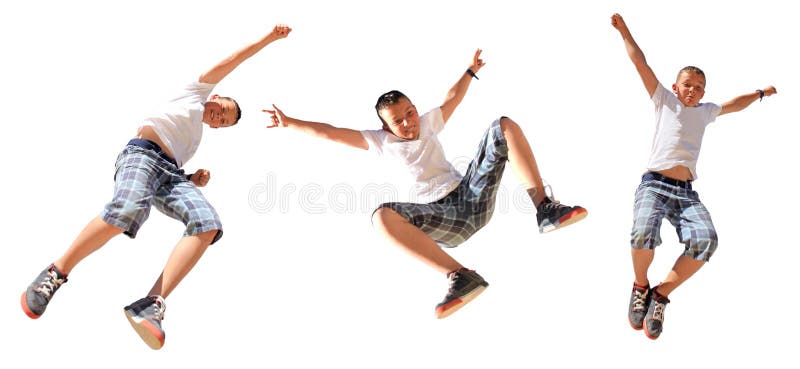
(693, 221)
(482, 178)
(180, 199)
(135, 181)
(648, 211)
(441, 221)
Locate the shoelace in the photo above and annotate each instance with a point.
(639, 298)
(159, 306)
(48, 286)
(658, 311)
(551, 196)
(455, 282)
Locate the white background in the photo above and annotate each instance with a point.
(305, 282)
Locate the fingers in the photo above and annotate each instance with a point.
(281, 30)
(274, 118)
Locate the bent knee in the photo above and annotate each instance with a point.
(702, 248)
(385, 215)
(506, 124)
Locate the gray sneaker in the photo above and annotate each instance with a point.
(637, 308)
(39, 293)
(145, 316)
(465, 285)
(551, 215)
(654, 320)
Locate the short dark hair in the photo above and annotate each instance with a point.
(238, 109)
(691, 69)
(388, 99)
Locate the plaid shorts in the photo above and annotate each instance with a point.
(657, 199)
(145, 176)
(453, 219)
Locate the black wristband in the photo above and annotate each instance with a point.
(760, 94)
(188, 177)
(471, 73)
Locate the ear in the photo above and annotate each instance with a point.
(386, 128)
(675, 88)
(213, 97)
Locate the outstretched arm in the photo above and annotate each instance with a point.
(740, 102)
(349, 137)
(457, 92)
(219, 71)
(635, 53)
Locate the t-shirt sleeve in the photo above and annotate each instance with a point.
(658, 95)
(196, 92)
(435, 119)
(713, 112)
(375, 139)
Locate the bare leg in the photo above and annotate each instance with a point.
(183, 258)
(404, 234)
(521, 159)
(684, 268)
(96, 234)
(642, 258)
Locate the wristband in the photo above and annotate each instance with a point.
(760, 94)
(471, 73)
(188, 177)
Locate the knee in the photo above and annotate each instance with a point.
(642, 239)
(508, 125)
(703, 246)
(382, 216)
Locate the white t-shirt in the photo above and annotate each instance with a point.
(679, 131)
(434, 177)
(179, 123)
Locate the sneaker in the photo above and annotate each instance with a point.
(654, 320)
(145, 315)
(637, 308)
(551, 215)
(465, 285)
(39, 293)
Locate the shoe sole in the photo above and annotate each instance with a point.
(150, 334)
(635, 327)
(26, 309)
(570, 218)
(455, 305)
(647, 333)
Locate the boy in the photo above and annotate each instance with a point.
(148, 172)
(448, 207)
(666, 187)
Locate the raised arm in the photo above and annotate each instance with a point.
(457, 92)
(740, 102)
(637, 56)
(221, 70)
(349, 137)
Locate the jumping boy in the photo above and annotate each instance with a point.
(666, 187)
(148, 173)
(448, 208)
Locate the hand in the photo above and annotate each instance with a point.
(200, 178)
(618, 22)
(280, 31)
(477, 62)
(769, 91)
(277, 117)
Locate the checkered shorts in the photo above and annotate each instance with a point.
(656, 200)
(453, 219)
(145, 178)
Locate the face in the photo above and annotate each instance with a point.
(401, 119)
(219, 112)
(690, 88)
